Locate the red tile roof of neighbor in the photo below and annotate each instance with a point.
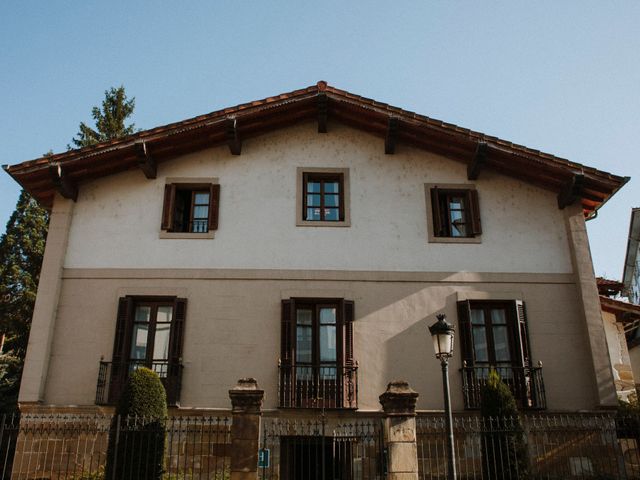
(626, 312)
(321, 102)
(608, 287)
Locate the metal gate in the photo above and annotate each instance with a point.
(322, 448)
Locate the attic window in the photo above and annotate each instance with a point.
(323, 197)
(190, 209)
(454, 214)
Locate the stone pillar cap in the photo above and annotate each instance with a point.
(399, 399)
(246, 397)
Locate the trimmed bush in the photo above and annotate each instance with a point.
(137, 435)
(503, 444)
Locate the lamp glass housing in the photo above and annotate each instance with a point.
(442, 334)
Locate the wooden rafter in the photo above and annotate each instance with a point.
(391, 136)
(322, 112)
(62, 183)
(572, 191)
(233, 136)
(146, 163)
(478, 161)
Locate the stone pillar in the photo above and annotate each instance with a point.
(399, 405)
(590, 305)
(246, 401)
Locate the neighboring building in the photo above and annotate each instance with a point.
(631, 274)
(243, 243)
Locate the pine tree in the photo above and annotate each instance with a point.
(21, 251)
(109, 120)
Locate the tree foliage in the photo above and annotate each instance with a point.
(109, 119)
(503, 444)
(137, 435)
(21, 252)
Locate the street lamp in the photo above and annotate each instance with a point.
(442, 334)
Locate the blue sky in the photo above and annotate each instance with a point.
(562, 77)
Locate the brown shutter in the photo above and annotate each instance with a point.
(287, 332)
(521, 334)
(436, 213)
(177, 330)
(348, 332)
(465, 334)
(474, 211)
(120, 356)
(214, 206)
(349, 379)
(168, 206)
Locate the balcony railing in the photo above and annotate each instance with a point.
(526, 384)
(112, 378)
(318, 386)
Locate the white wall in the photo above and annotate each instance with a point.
(116, 220)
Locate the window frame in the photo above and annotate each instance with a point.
(194, 185)
(302, 173)
(472, 211)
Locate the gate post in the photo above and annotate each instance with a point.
(399, 405)
(246, 402)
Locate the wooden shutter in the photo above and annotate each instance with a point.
(287, 348)
(436, 213)
(214, 206)
(168, 206)
(348, 332)
(474, 211)
(521, 334)
(177, 330)
(120, 356)
(465, 334)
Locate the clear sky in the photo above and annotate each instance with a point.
(562, 77)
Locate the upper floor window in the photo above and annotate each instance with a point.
(323, 197)
(190, 209)
(454, 213)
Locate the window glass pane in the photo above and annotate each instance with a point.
(161, 342)
(456, 203)
(313, 187)
(477, 317)
(327, 315)
(165, 314)
(313, 214)
(331, 214)
(501, 343)
(143, 314)
(313, 200)
(458, 230)
(201, 211)
(202, 198)
(480, 344)
(200, 226)
(328, 343)
(304, 316)
(328, 373)
(332, 200)
(331, 187)
(498, 316)
(303, 344)
(139, 341)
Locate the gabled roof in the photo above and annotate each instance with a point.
(65, 171)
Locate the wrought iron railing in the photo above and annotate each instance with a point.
(318, 386)
(112, 378)
(526, 384)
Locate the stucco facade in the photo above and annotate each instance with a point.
(108, 245)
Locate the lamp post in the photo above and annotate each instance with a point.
(442, 334)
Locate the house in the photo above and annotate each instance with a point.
(631, 274)
(308, 240)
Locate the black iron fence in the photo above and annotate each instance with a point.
(526, 385)
(318, 386)
(322, 449)
(74, 447)
(112, 377)
(551, 447)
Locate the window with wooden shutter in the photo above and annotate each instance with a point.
(454, 213)
(190, 208)
(317, 368)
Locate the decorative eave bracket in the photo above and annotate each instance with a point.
(233, 136)
(146, 163)
(323, 103)
(391, 137)
(62, 183)
(572, 191)
(478, 161)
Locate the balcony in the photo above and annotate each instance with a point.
(112, 378)
(318, 386)
(526, 385)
